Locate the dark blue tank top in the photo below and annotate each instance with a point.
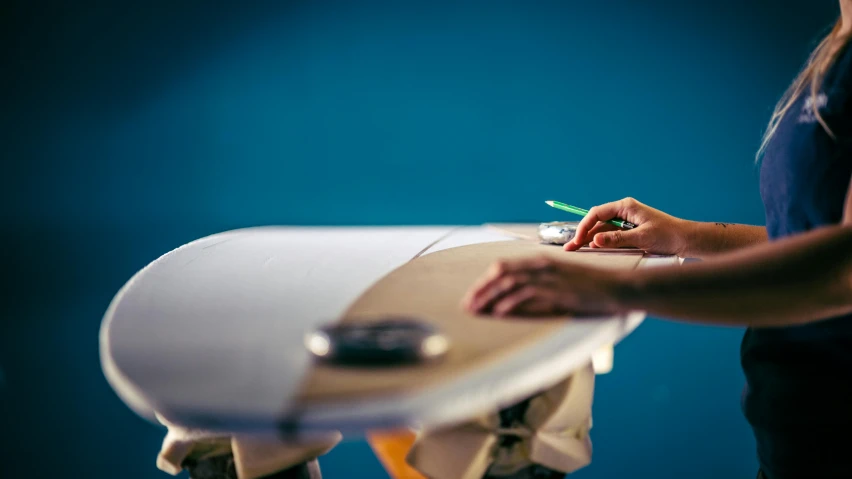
(798, 394)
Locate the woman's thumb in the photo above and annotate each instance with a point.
(616, 239)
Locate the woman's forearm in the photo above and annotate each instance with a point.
(704, 240)
(792, 281)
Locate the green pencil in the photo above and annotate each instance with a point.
(580, 211)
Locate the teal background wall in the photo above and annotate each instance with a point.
(128, 130)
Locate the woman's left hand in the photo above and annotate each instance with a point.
(544, 286)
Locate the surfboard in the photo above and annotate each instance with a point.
(211, 334)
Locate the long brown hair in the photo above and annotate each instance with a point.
(812, 75)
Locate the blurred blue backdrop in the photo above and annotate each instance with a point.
(128, 130)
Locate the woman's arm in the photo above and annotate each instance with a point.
(703, 240)
(791, 281)
(796, 280)
(661, 233)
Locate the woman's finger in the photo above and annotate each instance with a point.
(489, 287)
(532, 300)
(512, 301)
(601, 228)
(620, 239)
(492, 293)
(542, 303)
(501, 269)
(537, 307)
(605, 212)
(572, 246)
(486, 295)
(481, 285)
(598, 228)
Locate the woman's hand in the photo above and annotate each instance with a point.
(657, 232)
(543, 286)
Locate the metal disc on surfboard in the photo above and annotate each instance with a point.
(387, 342)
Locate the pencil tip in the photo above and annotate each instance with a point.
(549, 202)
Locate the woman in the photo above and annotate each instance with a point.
(789, 283)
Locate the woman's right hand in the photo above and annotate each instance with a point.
(656, 232)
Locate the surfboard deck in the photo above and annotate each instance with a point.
(430, 288)
(211, 334)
